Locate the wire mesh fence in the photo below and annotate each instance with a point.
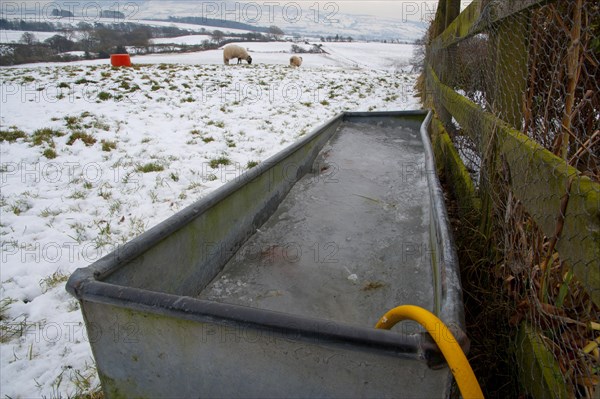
(517, 87)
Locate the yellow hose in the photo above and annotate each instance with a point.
(457, 361)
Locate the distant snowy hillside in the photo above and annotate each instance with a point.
(302, 18)
(307, 19)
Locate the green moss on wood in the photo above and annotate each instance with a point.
(455, 170)
(539, 179)
(539, 372)
(512, 53)
(471, 21)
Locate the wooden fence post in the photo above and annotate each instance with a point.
(511, 39)
(440, 19)
(447, 11)
(509, 49)
(452, 11)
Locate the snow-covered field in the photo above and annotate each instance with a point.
(92, 156)
(370, 56)
(188, 40)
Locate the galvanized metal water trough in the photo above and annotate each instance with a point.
(271, 285)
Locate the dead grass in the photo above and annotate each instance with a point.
(12, 134)
(486, 307)
(86, 138)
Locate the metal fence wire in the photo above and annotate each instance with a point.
(516, 86)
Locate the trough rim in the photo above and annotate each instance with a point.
(86, 283)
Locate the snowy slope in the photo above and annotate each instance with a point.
(402, 20)
(188, 40)
(156, 127)
(372, 55)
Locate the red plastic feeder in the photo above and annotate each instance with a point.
(120, 60)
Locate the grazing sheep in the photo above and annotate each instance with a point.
(232, 51)
(295, 61)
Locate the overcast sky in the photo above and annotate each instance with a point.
(388, 8)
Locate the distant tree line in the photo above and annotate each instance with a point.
(314, 49)
(98, 40)
(218, 23)
(33, 26)
(255, 32)
(62, 13)
(103, 14)
(336, 38)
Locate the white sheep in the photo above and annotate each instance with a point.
(233, 51)
(295, 61)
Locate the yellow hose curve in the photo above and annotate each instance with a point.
(457, 361)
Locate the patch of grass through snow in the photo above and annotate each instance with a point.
(81, 379)
(222, 160)
(12, 134)
(108, 145)
(87, 138)
(50, 153)
(53, 280)
(150, 167)
(45, 135)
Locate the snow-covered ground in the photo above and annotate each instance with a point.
(371, 56)
(104, 154)
(187, 40)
